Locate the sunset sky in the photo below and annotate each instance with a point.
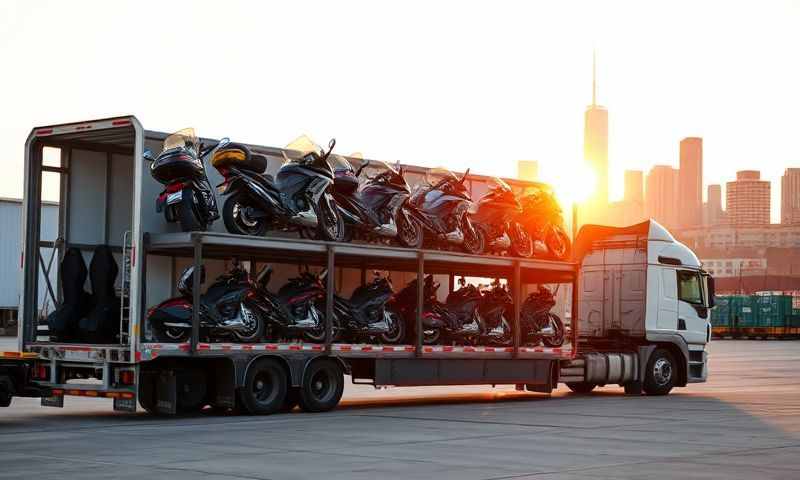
(457, 84)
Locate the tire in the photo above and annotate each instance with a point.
(323, 384)
(239, 224)
(581, 387)
(397, 334)
(661, 373)
(409, 231)
(171, 335)
(265, 387)
(558, 339)
(189, 212)
(255, 334)
(474, 238)
(557, 243)
(330, 224)
(521, 242)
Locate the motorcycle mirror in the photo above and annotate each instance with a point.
(465, 176)
(224, 141)
(148, 155)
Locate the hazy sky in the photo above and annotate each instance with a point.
(434, 83)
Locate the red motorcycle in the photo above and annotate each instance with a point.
(542, 217)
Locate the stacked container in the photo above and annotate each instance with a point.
(772, 310)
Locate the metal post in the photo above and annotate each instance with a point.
(196, 288)
(517, 294)
(573, 321)
(420, 300)
(574, 223)
(331, 285)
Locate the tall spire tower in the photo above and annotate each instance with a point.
(595, 153)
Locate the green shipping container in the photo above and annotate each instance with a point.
(772, 310)
(743, 312)
(721, 313)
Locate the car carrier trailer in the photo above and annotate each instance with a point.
(625, 328)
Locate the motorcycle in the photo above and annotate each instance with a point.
(299, 198)
(496, 216)
(298, 309)
(537, 323)
(441, 205)
(404, 303)
(478, 318)
(187, 197)
(542, 217)
(366, 316)
(228, 309)
(378, 208)
(495, 303)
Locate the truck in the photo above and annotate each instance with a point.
(638, 300)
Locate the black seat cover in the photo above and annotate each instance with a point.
(63, 321)
(101, 325)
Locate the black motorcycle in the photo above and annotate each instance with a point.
(377, 209)
(365, 316)
(404, 303)
(496, 216)
(298, 309)
(298, 199)
(538, 323)
(494, 307)
(441, 205)
(187, 197)
(228, 309)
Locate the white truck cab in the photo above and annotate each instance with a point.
(643, 292)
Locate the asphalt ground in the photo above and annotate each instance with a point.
(743, 424)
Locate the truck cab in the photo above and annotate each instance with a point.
(641, 291)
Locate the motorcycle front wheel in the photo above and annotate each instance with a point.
(409, 231)
(171, 334)
(521, 242)
(253, 333)
(189, 212)
(557, 242)
(330, 224)
(234, 214)
(474, 239)
(397, 328)
(558, 336)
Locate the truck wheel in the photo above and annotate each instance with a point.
(581, 387)
(323, 384)
(660, 374)
(264, 388)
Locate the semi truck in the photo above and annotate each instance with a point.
(638, 300)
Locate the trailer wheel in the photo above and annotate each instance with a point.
(660, 374)
(581, 387)
(323, 384)
(264, 388)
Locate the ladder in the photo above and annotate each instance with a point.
(124, 290)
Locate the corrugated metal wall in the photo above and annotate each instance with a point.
(11, 247)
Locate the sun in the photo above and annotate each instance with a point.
(574, 186)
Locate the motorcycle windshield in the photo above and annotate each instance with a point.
(435, 175)
(340, 164)
(496, 183)
(185, 138)
(306, 147)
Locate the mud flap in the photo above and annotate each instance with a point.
(224, 388)
(166, 393)
(552, 381)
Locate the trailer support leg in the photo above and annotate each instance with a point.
(196, 288)
(330, 284)
(420, 301)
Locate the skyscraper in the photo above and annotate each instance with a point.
(661, 195)
(595, 151)
(714, 212)
(790, 196)
(634, 186)
(690, 182)
(747, 199)
(528, 170)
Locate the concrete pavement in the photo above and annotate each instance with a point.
(744, 423)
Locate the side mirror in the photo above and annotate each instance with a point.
(223, 142)
(712, 294)
(148, 155)
(331, 144)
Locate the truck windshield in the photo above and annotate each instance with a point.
(689, 287)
